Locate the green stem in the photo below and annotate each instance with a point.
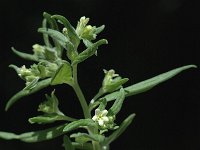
(96, 145)
(84, 105)
(79, 94)
(99, 94)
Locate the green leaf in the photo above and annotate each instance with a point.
(79, 124)
(35, 136)
(148, 84)
(120, 130)
(32, 84)
(40, 85)
(84, 137)
(48, 118)
(87, 43)
(63, 75)
(45, 36)
(116, 107)
(59, 37)
(50, 54)
(103, 104)
(14, 67)
(99, 29)
(71, 31)
(67, 143)
(53, 24)
(25, 55)
(89, 52)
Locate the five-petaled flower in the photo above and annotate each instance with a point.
(100, 117)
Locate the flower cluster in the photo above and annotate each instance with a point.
(104, 120)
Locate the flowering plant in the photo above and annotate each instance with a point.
(56, 62)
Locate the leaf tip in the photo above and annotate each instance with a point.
(130, 118)
(7, 107)
(132, 115)
(45, 13)
(65, 129)
(12, 48)
(194, 66)
(105, 41)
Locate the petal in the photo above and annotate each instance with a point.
(104, 112)
(94, 118)
(101, 122)
(105, 119)
(97, 112)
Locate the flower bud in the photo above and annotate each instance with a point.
(23, 71)
(38, 50)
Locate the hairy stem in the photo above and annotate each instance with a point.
(79, 94)
(96, 145)
(99, 94)
(84, 105)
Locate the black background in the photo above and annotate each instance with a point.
(145, 38)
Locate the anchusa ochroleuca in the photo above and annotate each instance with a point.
(49, 68)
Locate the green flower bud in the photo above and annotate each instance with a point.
(23, 71)
(89, 33)
(51, 69)
(112, 81)
(81, 25)
(38, 50)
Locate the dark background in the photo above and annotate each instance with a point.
(145, 38)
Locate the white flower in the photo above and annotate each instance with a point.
(100, 117)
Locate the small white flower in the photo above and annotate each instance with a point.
(100, 117)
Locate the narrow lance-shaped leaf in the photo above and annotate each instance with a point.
(120, 130)
(67, 143)
(59, 37)
(25, 55)
(79, 124)
(63, 75)
(53, 24)
(35, 136)
(99, 29)
(102, 104)
(32, 84)
(71, 31)
(148, 84)
(45, 36)
(14, 67)
(49, 118)
(116, 107)
(89, 52)
(40, 85)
